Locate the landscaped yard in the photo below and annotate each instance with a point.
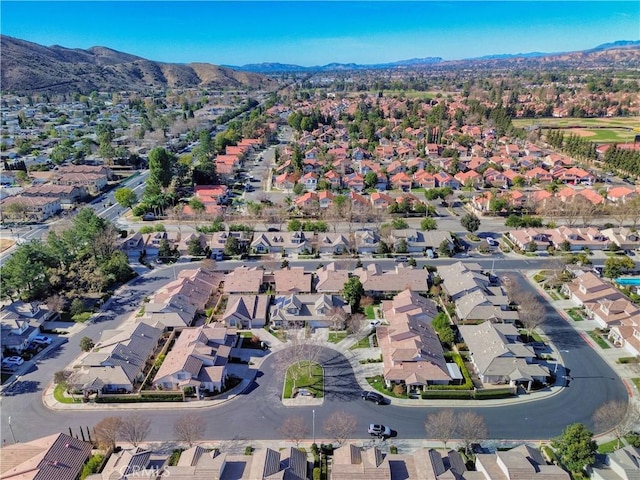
(363, 342)
(335, 337)
(370, 312)
(610, 446)
(636, 382)
(59, 395)
(308, 375)
(599, 340)
(377, 383)
(575, 314)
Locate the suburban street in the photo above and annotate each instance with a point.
(258, 413)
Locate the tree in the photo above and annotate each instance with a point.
(471, 428)
(352, 292)
(295, 429)
(614, 266)
(189, 428)
(444, 249)
(125, 197)
(340, 425)
(441, 425)
(232, 246)
(194, 247)
(428, 223)
(576, 447)
(370, 179)
(106, 432)
(86, 344)
(531, 312)
(135, 428)
(355, 321)
(161, 164)
(618, 417)
(470, 222)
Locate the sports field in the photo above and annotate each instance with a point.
(601, 130)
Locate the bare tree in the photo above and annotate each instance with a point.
(295, 429)
(471, 428)
(340, 425)
(135, 428)
(441, 425)
(55, 303)
(106, 432)
(531, 312)
(618, 417)
(355, 322)
(189, 428)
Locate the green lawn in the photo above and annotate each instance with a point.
(362, 343)
(377, 383)
(553, 294)
(370, 312)
(610, 446)
(575, 314)
(59, 395)
(313, 381)
(636, 382)
(335, 337)
(599, 340)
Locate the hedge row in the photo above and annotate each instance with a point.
(454, 394)
(139, 398)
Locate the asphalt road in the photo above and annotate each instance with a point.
(259, 413)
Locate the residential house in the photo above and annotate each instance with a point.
(20, 322)
(127, 464)
(218, 242)
(285, 181)
(589, 288)
(524, 237)
(443, 179)
(198, 463)
(538, 174)
(609, 312)
(334, 179)
(118, 360)
(377, 282)
(332, 243)
(292, 280)
(621, 464)
(499, 357)
(325, 199)
(58, 456)
(313, 310)
(474, 296)
(419, 241)
(286, 243)
(381, 201)
(411, 351)
(469, 178)
(495, 178)
(20, 208)
(424, 179)
(244, 280)
(68, 195)
(133, 245)
(618, 195)
(307, 201)
(331, 278)
(197, 359)
(310, 181)
(520, 463)
(623, 237)
(354, 181)
(94, 183)
(246, 311)
(401, 181)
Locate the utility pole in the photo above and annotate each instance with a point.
(314, 425)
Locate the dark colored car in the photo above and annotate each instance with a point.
(373, 397)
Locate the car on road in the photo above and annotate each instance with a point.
(374, 397)
(378, 430)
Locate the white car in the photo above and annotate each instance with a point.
(12, 362)
(42, 340)
(379, 430)
(373, 324)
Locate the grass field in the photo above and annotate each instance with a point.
(313, 382)
(602, 130)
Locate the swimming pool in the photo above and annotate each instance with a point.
(628, 281)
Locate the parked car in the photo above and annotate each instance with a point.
(401, 259)
(374, 397)
(41, 339)
(12, 362)
(379, 430)
(373, 324)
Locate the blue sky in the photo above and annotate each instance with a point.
(319, 32)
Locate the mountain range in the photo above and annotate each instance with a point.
(27, 67)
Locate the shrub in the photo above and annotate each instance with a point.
(91, 466)
(393, 449)
(399, 389)
(248, 450)
(316, 473)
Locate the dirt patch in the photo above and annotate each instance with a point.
(581, 132)
(6, 243)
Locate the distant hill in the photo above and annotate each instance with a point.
(28, 67)
(622, 53)
(332, 67)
